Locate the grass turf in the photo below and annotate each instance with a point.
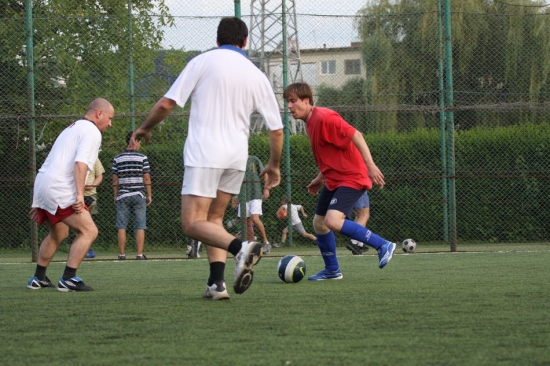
(467, 308)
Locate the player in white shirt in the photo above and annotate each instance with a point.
(225, 88)
(58, 196)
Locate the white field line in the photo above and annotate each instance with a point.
(303, 255)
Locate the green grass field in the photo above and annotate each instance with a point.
(474, 307)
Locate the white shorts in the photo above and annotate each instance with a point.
(299, 228)
(253, 207)
(205, 182)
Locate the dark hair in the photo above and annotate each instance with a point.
(232, 31)
(128, 137)
(301, 90)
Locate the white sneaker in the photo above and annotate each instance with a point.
(217, 291)
(250, 254)
(360, 244)
(267, 247)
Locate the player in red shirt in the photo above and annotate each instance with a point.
(346, 171)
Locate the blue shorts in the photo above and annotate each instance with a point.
(341, 199)
(127, 206)
(362, 202)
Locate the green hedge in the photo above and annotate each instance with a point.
(502, 183)
(502, 188)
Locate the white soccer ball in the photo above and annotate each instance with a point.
(291, 268)
(230, 223)
(408, 245)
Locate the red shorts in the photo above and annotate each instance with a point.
(60, 215)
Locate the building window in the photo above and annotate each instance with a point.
(328, 67)
(352, 67)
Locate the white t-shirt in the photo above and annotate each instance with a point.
(225, 89)
(54, 185)
(294, 214)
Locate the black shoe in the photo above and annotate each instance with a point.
(192, 247)
(121, 257)
(36, 284)
(72, 284)
(356, 249)
(141, 257)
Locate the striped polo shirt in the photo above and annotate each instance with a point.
(129, 166)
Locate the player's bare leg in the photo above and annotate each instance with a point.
(284, 234)
(83, 224)
(195, 212)
(51, 242)
(86, 233)
(260, 225)
(309, 236)
(140, 241)
(202, 219)
(121, 241)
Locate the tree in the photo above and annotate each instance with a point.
(501, 54)
(81, 51)
(349, 101)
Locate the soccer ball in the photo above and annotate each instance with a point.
(408, 245)
(230, 223)
(291, 268)
(283, 214)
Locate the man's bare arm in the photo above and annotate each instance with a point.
(375, 173)
(272, 172)
(158, 113)
(79, 174)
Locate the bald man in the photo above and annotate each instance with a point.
(58, 197)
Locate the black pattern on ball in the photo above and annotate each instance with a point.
(408, 246)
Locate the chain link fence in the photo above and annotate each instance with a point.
(453, 98)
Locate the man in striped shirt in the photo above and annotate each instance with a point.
(132, 194)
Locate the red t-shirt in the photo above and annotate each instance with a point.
(338, 159)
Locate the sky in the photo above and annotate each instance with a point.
(196, 21)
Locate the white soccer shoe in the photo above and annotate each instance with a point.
(250, 254)
(217, 291)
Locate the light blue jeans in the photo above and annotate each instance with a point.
(127, 206)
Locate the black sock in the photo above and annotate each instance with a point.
(235, 246)
(217, 270)
(40, 272)
(69, 273)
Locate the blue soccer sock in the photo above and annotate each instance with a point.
(362, 234)
(327, 246)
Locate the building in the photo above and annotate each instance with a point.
(329, 66)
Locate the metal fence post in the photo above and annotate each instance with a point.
(450, 126)
(286, 126)
(442, 122)
(131, 68)
(32, 124)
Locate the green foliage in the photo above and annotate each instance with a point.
(515, 207)
(501, 177)
(501, 54)
(82, 50)
(348, 101)
(501, 180)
